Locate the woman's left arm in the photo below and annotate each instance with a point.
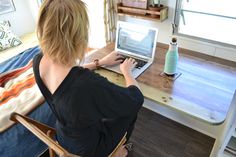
(110, 59)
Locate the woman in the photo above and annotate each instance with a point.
(92, 113)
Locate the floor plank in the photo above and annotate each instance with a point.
(157, 136)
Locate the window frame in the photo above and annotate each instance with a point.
(177, 17)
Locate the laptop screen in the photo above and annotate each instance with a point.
(135, 39)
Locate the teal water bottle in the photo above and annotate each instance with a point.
(172, 57)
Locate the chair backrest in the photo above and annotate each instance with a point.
(45, 133)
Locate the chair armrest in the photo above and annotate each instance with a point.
(32, 126)
(121, 143)
(42, 127)
(44, 132)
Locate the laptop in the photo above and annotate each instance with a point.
(135, 41)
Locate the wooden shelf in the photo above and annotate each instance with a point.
(143, 13)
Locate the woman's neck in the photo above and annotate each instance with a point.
(46, 59)
(53, 73)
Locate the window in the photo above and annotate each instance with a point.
(213, 20)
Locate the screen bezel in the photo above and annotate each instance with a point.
(133, 26)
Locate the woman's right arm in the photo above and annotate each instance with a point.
(116, 101)
(126, 68)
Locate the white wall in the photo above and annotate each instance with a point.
(24, 19)
(95, 13)
(34, 9)
(21, 20)
(97, 30)
(165, 33)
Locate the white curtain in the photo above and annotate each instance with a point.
(110, 20)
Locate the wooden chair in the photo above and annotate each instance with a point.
(46, 134)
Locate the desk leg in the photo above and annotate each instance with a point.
(225, 131)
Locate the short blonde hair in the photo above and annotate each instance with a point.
(63, 30)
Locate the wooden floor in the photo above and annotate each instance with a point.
(157, 136)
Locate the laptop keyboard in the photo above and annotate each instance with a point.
(140, 63)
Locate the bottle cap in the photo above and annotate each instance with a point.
(174, 40)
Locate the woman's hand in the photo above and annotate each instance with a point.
(127, 66)
(112, 58)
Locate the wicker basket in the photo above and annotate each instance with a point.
(135, 3)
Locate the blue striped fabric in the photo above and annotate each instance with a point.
(19, 60)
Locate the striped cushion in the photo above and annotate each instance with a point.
(7, 37)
